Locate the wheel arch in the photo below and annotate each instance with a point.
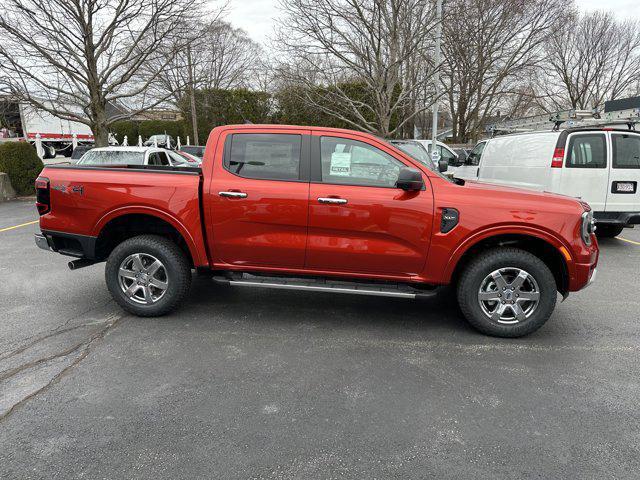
(546, 247)
(122, 224)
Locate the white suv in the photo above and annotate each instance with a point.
(599, 165)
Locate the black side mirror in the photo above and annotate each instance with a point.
(409, 179)
(462, 159)
(443, 166)
(469, 159)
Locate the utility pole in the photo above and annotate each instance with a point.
(436, 79)
(192, 97)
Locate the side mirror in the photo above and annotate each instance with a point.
(469, 160)
(443, 166)
(462, 159)
(409, 179)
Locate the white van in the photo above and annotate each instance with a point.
(598, 165)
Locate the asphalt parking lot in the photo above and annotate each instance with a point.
(244, 383)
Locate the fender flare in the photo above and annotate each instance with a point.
(522, 230)
(195, 252)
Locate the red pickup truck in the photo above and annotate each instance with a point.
(319, 209)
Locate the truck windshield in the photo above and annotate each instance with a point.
(416, 151)
(106, 157)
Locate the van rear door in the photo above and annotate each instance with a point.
(586, 174)
(622, 191)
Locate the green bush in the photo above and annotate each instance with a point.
(20, 161)
(159, 127)
(128, 128)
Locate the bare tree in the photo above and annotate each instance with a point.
(76, 59)
(221, 57)
(592, 59)
(383, 45)
(490, 48)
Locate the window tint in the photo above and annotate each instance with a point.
(587, 151)
(476, 153)
(351, 162)
(626, 151)
(265, 156)
(158, 158)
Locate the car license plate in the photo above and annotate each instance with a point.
(625, 187)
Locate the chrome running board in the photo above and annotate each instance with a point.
(398, 290)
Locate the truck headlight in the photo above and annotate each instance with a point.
(588, 227)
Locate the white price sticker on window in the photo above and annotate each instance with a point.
(340, 164)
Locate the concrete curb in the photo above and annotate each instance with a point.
(6, 190)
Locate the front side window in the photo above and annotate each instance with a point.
(626, 151)
(476, 154)
(587, 151)
(158, 159)
(447, 155)
(265, 156)
(350, 162)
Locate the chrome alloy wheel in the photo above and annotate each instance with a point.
(143, 278)
(509, 295)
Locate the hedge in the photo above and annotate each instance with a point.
(158, 127)
(20, 161)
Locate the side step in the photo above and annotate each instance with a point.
(399, 290)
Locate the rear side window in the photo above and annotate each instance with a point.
(587, 151)
(626, 151)
(265, 156)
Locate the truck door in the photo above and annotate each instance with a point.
(622, 191)
(358, 220)
(585, 174)
(258, 199)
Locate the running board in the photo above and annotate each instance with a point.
(398, 290)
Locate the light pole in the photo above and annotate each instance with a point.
(436, 81)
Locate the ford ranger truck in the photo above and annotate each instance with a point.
(323, 210)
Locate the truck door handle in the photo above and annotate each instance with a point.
(233, 194)
(338, 201)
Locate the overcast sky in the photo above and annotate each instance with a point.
(257, 16)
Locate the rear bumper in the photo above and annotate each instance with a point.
(71, 244)
(617, 218)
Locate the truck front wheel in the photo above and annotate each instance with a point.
(148, 275)
(507, 292)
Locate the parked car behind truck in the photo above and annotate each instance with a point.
(319, 209)
(598, 165)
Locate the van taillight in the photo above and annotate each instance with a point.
(43, 196)
(558, 158)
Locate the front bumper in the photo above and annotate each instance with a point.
(617, 218)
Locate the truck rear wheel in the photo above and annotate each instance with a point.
(507, 292)
(608, 231)
(148, 275)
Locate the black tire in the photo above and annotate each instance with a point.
(175, 270)
(481, 267)
(608, 231)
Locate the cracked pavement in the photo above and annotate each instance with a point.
(247, 383)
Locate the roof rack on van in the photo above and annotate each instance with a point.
(624, 112)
